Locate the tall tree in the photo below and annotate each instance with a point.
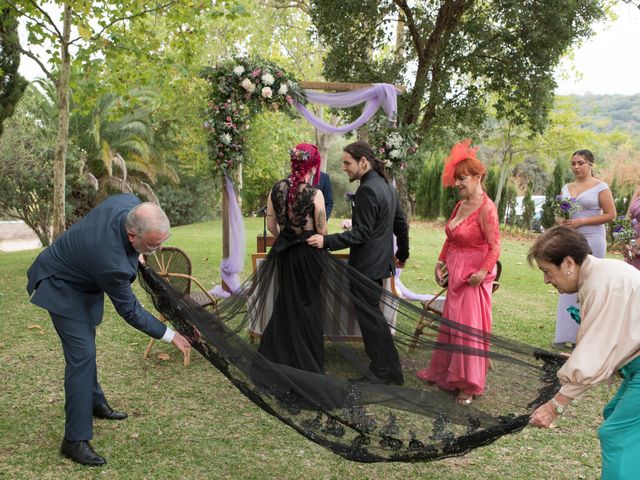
(26, 156)
(12, 84)
(82, 30)
(457, 55)
(462, 50)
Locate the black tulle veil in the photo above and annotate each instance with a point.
(361, 421)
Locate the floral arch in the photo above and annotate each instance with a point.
(243, 87)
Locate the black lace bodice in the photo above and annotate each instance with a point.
(299, 218)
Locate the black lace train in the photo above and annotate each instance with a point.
(361, 421)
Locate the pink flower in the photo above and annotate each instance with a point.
(278, 73)
(289, 99)
(256, 72)
(381, 150)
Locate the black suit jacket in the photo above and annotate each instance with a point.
(376, 217)
(92, 258)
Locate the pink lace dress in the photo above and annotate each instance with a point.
(472, 245)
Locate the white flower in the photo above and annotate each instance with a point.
(388, 164)
(267, 92)
(247, 85)
(239, 70)
(395, 140)
(267, 78)
(225, 138)
(395, 153)
(283, 89)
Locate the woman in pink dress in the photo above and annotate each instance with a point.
(633, 253)
(469, 257)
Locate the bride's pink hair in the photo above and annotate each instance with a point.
(303, 158)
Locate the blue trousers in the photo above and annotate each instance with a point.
(620, 432)
(81, 387)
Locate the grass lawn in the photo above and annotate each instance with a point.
(192, 423)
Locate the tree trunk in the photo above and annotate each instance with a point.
(324, 140)
(504, 169)
(59, 161)
(403, 195)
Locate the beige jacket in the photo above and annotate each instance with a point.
(609, 333)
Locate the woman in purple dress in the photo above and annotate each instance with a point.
(633, 253)
(598, 208)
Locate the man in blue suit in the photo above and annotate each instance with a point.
(324, 185)
(97, 255)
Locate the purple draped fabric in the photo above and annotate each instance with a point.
(379, 94)
(232, 266)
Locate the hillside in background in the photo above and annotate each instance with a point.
(606, 113)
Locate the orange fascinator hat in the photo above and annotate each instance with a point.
(461, 151)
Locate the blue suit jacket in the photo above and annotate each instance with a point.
(92, 258)
(324, 185)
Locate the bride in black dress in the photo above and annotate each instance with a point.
(295, 211)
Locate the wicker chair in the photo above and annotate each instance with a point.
(174, 265)
(436, 305)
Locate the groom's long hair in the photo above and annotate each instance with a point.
(361, 149)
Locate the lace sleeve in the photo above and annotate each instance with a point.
(490, 227)
(445, 249)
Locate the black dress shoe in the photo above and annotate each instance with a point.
(105, 411)
(369, 379)
(375, 380)
(81, 452)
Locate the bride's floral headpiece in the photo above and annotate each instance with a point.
(299, 155)
(461, 151)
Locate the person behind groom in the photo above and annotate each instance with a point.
(376, 217)
(97, 255)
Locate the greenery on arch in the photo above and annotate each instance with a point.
(240, 88)
(393, 144)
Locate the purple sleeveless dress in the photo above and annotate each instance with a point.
(634, 210)
(566, 327)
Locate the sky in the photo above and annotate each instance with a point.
(607, 63)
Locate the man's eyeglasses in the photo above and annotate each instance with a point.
(150, 248)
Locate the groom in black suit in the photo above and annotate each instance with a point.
(376, 217)
(97, 255)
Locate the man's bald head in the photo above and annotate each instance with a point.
(147, 217)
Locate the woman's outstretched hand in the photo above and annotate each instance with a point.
(543, 416)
